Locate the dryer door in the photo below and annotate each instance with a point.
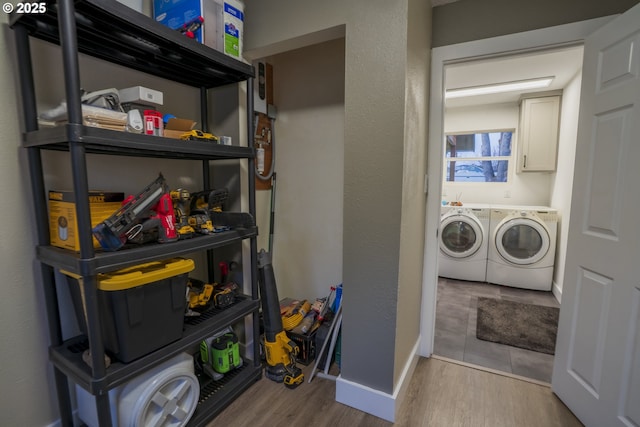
(522, 241)
(460, 235)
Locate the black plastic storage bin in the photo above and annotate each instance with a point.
(142, 307)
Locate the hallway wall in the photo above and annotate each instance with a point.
(468, 20)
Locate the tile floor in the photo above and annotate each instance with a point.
(455, 335)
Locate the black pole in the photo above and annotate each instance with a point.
(30, 114)
(69, 48)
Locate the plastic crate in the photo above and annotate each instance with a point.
(306, 346)
(142, 307)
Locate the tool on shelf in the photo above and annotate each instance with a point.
(280, 351)
(127, 223)
(198, 296)
(180, 199)
(212, 202)
(220, 354)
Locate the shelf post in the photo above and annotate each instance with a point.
(69, 48)
(30, 114)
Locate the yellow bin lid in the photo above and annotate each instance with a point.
(141, 274)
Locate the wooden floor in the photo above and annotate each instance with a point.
(441, 393)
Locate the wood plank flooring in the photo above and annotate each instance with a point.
(440, 394)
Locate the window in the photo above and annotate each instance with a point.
(478, 157)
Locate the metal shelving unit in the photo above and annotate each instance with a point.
(113, 32)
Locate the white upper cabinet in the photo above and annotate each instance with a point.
(538, 133)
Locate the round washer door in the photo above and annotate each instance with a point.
(460, 235)
(522, 241)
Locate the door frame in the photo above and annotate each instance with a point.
(529, 41)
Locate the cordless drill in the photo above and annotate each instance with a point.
(180, 199)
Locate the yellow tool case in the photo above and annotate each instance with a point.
(62, 215)
(142, 307)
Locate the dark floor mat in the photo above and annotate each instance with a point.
(528, 326)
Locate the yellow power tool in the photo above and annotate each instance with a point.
(280, 351)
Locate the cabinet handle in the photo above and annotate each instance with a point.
(525, 162)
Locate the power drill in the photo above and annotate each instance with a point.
(180, 199)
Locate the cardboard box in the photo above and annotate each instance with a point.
(133, 4)
(140, 95)
(176, 127)
(63, 226)
(176, 13)
(223, 25)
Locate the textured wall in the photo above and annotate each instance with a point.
(468, 20)
(24, 369)
(374, 152)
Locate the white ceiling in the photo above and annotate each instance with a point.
(562, 63)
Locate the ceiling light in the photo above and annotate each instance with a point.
(499, 88)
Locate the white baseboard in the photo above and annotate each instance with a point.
(557, 292)
(375, 402)
(76, 421)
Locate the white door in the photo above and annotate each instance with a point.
(597, 365)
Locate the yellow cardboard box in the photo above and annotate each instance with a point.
(63, 226)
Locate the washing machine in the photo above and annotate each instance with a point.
(522, 247)
(463, 240)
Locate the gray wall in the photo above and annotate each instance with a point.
(24, 369)
(309, 129)
(375, 336)
(468, 20)
(413, 191)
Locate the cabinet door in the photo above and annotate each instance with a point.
(539, 121)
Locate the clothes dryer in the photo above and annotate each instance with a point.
(522, 247)
(463, 240)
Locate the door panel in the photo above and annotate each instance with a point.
(609, 143)
(597, 351)
(587, 348)
(631, 375)
(617, 64)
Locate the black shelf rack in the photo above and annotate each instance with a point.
(110, 31)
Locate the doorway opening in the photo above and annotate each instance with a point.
(463, 280)
(449, 60)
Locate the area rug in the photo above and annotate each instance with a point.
(529, 326)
